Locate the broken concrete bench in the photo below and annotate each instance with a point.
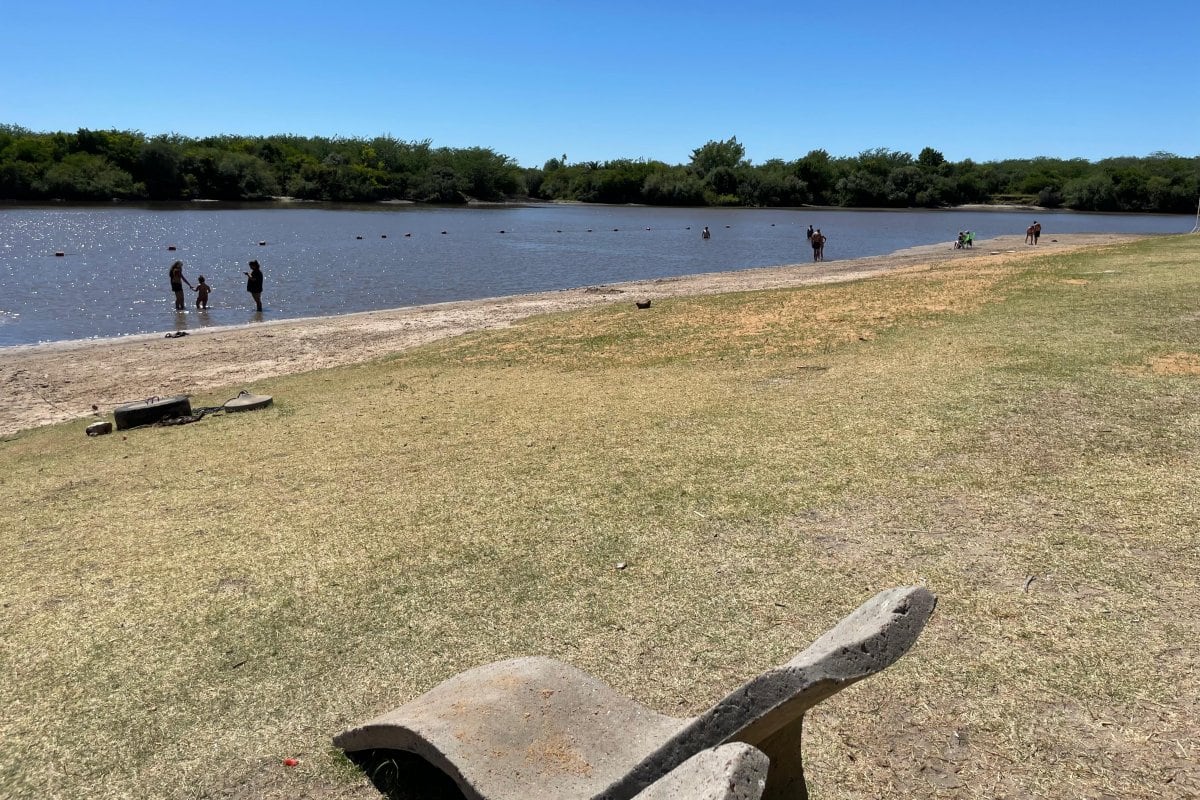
(733, 771)
(538, 728)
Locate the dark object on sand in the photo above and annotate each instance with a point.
(176, 335)
(151, 410)
(98, 428)
(642, 303)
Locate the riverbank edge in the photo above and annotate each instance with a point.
(57, 381)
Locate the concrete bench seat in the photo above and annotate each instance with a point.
(539, 728)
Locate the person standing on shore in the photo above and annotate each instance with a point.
(1029, 235)
(177, 281)
(1037, 231)
(254, 284)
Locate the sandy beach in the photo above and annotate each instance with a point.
(50, 383)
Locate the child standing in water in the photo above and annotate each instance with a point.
(202, 290)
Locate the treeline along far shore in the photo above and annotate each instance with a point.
(90, 165)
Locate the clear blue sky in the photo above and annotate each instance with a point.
(617, 79)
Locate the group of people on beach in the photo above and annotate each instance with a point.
(254, 285)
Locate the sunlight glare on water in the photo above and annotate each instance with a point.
(321, 260)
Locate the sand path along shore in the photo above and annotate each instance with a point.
(41, 384)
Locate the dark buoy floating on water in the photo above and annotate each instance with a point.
(261, 244)
(171, 247)
(59, 254)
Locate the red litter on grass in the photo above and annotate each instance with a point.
(291, 762)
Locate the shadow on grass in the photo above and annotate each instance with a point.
(400, 775)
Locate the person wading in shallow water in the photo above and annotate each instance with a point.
(177, 282)
(202, 291)
(818, 245)
(254, 284)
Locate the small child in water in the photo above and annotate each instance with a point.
(202, 290)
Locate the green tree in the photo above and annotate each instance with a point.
(675, 186)
(480, 172)
(819, 173)
(440, 185)
(861, 189)
(83, 176)
(1092, 193)
(904, 185)
(930, 158)
(713, 154)
(158, 167)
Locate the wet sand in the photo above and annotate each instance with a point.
(42, 384)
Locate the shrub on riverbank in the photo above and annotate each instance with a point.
(91, 165)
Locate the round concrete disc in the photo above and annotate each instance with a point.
(248, 402)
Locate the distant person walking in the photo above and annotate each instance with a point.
(818, 245)
(177, 281)
(254, 284)
(1037, 231)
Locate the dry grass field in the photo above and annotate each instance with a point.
(183, 607)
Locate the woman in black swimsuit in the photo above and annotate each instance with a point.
(254, 283)
(177, 282)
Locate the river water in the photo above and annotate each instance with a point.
(111, 278)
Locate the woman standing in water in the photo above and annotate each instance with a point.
(254, 284)
(177, 282)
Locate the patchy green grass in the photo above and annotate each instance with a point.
(181, 608)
